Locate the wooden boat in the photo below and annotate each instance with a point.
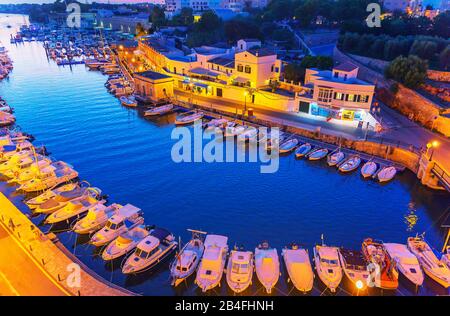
(288, 146)
(405, 262)
(298, 266)
(125, 243)
(210, 270)
(350, 164)
(272, 139)
(386, 174)
(160, 110)
(240, 270)
(335, 158)
(355, 267)
(267, 266)
(431, 265)
(129, 101)
(303, 150)
(6, 119)
(152, 250)
(369, 169)
(318, 154)
(250, 133)
(328, 267)
(189, 119)
(188, 259)
(95, 219)
(216, 123)
(49, 194)
(374, 252)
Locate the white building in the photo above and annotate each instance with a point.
(175, 6)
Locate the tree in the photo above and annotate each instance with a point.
(444, 59)
(423, 49)
(410, 71)
(296, 72)
(441, 24)
(157, 17)
(236, 29)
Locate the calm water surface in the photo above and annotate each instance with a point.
(128, 157)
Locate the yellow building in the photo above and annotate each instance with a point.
(152, 86)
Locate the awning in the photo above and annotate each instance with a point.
(203, 72)
(241, 80)
(201, 85)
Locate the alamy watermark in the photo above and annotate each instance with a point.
(374, 18)
(74, 15)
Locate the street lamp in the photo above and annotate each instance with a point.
(431, 146)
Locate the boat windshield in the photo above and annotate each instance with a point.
(111, 225)
(141, 253)
(330, 262)
(240, 268)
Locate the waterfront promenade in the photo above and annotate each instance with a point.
(49, 265)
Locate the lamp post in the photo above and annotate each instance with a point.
(431, 146)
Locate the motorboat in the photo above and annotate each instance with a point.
(188, 259)
(298, 266)
(355, 267)
(250, 133)
(159, 110)
(189, 119)
(239, 270)
(216, 123)
(37, 170)
(369, 169)
(288, 146)
(350, 164)
(335, 158)
(14, 160)
(49, 194)
(127, 218)
(318, 154)
(374, 252)
(233, 130)
(152, 250)
(125, 243)
(302, 150)
(431, 265)
(27, 167)
(129, 101)
(210, 270)
(328, 267)
(49, 180)
(6, 119)
(95, 219)
(267, 266)
(77, 208)
(445, 259)
(406, 262)
(386, 174)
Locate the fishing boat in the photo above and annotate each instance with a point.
(216, 123)
(318, 154)
(406, 262)
(49, 194)
(250, 133)
(159, 110)
(350, 164)
(431, 265)
(386, 174)
(125, 243)
(335, 158)
(267, 266)
(288, 146)
(152, 250)
(303, 150)
(188, 259)
(129, 101)
(298, 266)
(77, 208)
(239, 270)
(210, 270)
(328, 267)
(127, 218)
(374, 252)
(95, 219)
(189, 119)
(49, 180)
(369, 169)
(354, 266)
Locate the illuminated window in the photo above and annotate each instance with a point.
(351, 97)
(325, 95)
(240, 68)
(338, 96)
(248, 69)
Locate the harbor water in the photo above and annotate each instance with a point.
(69, 110)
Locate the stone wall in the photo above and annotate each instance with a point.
(435, 75)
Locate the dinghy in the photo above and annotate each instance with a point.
(160, 110)
(188, 259)
(298, 266)
(125, 243)
(318, 154)
(288, 146)
(350, 164)
(250, 133)
(272, 139)
(216, 123)
(431, 265)
(152, 250)
(374, 252)
(233, 130)
(128, 101)
(239, 270)
(335, 158)
(386, 174)
(303, 150)
(355, 267)
(189, 119)
(369, 169)
(95, 219)
(267, 266)
(127, 218)
(328, 267)
(210, 270)
(49, 194)
(405, 262)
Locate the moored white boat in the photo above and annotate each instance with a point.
(240, 270)
(350, 164)
(298, 266)
(250, 133)
(405, 262)
(328, 267)
(302, 150)
(318, 154)
(216, 123)
(95, 219)
(335, 158)
(125, 243)
(50, 180)
(267, 266)
(369, 169)
(355, 267)
(160, 110)
(49, 194)
(386, 173)
(189, 119)
(233, 129)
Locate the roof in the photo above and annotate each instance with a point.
(216, 240)
(261, 52)
(129, 210)
(152, 75)
(222, 61)
(149, 243)
(203, 72)
(329, 253)
(347, 66)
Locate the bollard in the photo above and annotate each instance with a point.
(79, 293)
(59, 278)
(18, 234)
(31, 248)
(43, 262)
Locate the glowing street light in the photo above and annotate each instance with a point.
(431, 146)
